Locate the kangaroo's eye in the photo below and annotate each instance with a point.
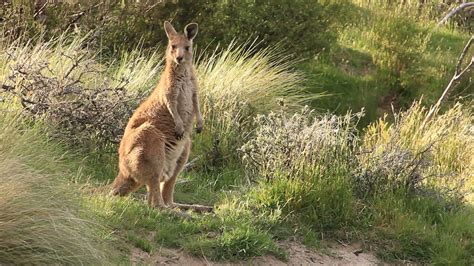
(173, 47)
(187, 48)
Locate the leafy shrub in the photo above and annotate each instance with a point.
(316, 167)
(300, 145)
(302, 163)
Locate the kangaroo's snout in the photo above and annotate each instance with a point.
(123, 186)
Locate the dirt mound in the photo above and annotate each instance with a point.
(336, 254)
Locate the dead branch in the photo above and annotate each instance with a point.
(195, 207)
(98, 111)
(76, 16)
(458, 75)
(453, 12)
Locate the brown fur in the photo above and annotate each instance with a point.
(157, 139)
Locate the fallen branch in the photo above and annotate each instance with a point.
(453, 12)
(458, 74)
(195, 207)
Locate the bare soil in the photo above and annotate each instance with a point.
(336, 254)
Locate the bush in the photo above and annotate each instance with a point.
(64, 81)
(317, 169)
(300, 145)
(302, 163)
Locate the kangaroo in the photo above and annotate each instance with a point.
(157, 139)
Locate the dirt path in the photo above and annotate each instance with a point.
(337, 254)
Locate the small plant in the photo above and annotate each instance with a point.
(300, 145)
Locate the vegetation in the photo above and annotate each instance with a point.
(272, 166)
(41, 218)
(125, 25)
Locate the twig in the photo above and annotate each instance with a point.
(458, 74)
(190, 164)
(40, 10)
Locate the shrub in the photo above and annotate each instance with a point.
(300, 145)
(317, 169)
(64, 81)
(302, 163)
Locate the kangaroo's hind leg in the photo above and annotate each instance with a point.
(155, 158)
(168, 185)
(146, 161)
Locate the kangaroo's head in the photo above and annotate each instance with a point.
(123, 185)
(180, 46)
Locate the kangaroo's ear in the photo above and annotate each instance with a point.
(169, 29)
(191, 30)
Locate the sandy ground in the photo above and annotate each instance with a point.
(336, 254)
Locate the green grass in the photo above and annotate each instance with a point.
(360, 71)
(420, 230)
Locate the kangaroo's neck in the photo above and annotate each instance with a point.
(172, 76)
(175, 71)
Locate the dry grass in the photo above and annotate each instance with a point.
(407, 154)
(41, 217)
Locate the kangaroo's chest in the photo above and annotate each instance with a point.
(185, 100)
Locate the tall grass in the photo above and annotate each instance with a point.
(42, 220)
(238, 82)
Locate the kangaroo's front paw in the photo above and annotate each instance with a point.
(199, 127)
(179, 132)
